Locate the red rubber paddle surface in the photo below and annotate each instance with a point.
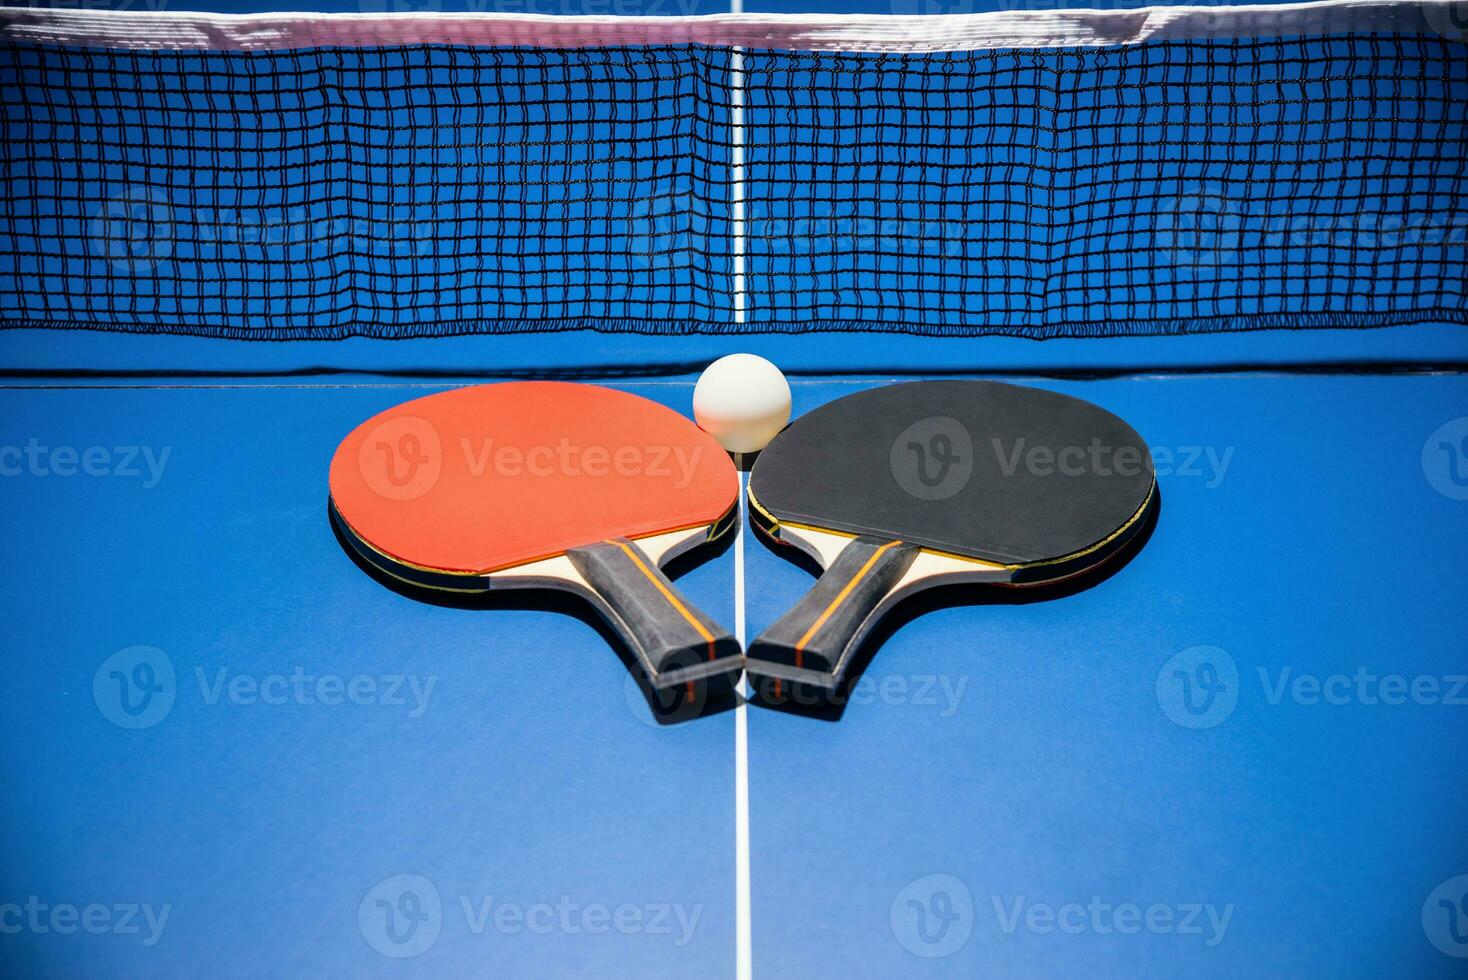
(489, 477)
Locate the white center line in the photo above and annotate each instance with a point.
(744, 948)
(744, 953)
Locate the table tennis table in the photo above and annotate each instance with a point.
(230, 753)
(313, 774)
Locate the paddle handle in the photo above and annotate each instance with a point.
(813, 642)
(676, 643)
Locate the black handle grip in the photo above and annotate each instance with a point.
(676, 642)
(812, 643)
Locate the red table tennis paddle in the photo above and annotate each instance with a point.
(548, 485)
(897, 489)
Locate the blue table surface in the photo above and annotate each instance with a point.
(599, 355)
(227, 752)
(1044, 757)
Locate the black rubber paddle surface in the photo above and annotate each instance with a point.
(928, 484)
(979, 469)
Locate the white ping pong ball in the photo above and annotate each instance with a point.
(743, 401)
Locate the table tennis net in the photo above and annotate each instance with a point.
(734, 176)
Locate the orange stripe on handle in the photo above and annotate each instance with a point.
(668, 594)
(836, 602)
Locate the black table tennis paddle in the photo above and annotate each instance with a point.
(902, 488)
